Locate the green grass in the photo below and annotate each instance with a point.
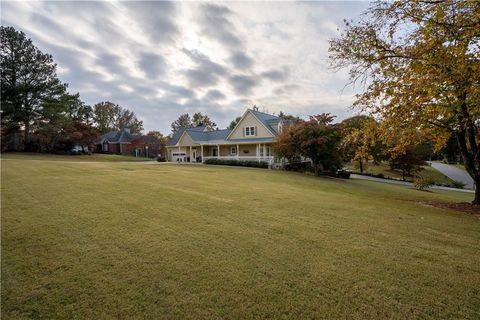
(95, 157)
(384, 168)
(136, 240)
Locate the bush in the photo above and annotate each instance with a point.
(299, 166)
(458, 184)
(161, 159)
(239, 163)
(343, 174)
(422, 182)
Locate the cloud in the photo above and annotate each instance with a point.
(152, 64)
(243, 84)
(215, 23)
(276, 74)
(161, 59)
(206, 73)
(241, 60)
(214, 95)
(156, 19)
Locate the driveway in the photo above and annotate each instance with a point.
(454, 173)
(405, 183)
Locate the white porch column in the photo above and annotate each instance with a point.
(191, 154)
(238, 151)
(218, 151)
(258, 152)
(201, 148)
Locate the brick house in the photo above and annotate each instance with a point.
(123, 142)
(119, 142)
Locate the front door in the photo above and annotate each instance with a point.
(214, 152)
(194, 158)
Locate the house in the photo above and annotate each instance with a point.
(251, 139)
(148, 146)
(124, 142)
(118, 141)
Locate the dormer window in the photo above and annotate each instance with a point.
(249, 131)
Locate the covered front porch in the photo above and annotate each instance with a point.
(247, 152)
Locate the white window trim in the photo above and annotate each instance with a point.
(249, 131)
(233, 150)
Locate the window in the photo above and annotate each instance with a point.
(233, 150)
(249, 131)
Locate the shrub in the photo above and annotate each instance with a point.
(240, 163)
(381, 176)
(161, 159)
(422, 182)
(458, 184)
(343, 174)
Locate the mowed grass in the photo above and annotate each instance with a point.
(95, 157)
(148, 240)
(384, 168)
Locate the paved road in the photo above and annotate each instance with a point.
(454, 173)
(389, 181)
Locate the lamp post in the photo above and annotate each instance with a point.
(146, 150)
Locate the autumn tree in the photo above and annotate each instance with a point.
(28, 82)
(287, 144)
(183, 121)
(420, 64)
(316, 139)
(407, 162)
(109, 116)
(360, 141)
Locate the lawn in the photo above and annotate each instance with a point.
(96, 157)
(384, 168)
(128, 240)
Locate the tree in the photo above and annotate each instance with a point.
(360, 140)
(183, 121)
(82, 134)
(420, 63)
(127, 119)
(109, 116)
(408, 162)
(200, 119)
(317, 139)
(234, 123)
(28, 81)
(288, 117)
(287, 144)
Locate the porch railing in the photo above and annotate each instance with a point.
(268, 159)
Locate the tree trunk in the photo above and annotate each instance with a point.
(476, 200)
(26, 141)
(470, 156)
(361, 165)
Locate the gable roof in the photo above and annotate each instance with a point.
(118, 136)
(203, 136)
(268, 120)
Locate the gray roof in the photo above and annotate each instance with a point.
(269, 120)
(201, 136)
(119, 136)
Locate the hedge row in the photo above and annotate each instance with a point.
(240, 163)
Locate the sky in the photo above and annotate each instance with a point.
(162, 59)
